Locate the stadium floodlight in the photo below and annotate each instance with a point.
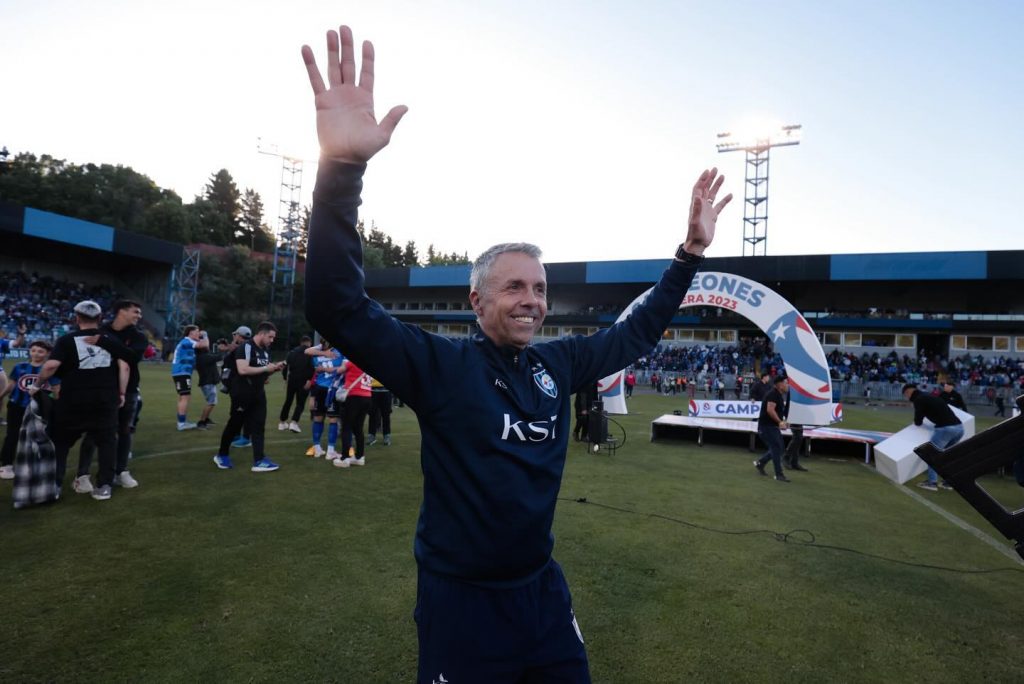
(757, 143)
(779, 136)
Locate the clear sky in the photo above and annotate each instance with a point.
(579, 126)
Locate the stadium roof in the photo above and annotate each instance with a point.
(74, 232)
(908, 266)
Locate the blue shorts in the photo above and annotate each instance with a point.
(469, 633)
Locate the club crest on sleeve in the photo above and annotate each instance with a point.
(546, 383)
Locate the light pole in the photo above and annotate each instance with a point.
(755, 195)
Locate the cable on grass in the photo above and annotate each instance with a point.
(800, 537)
(621, 427)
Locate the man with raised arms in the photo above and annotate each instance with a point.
(494, 413)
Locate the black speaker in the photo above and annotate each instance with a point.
(597, 423)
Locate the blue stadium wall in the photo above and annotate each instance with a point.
(56, 230)
(982, 291)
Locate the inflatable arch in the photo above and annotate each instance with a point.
(809, 380)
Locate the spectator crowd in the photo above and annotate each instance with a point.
(42, 303)
(754, 355)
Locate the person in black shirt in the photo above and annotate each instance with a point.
(94, 373)
(952, 397)
(760, 388)
(948, 429)
(209, 376)
(124, 329)
(770, 425)
(249, 398)
(584, 398)
(240, 336)
(298, 376)
(792, 455)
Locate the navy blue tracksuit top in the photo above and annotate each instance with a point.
(495, 422)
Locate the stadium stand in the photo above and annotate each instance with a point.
(50, 261)
(882, 318)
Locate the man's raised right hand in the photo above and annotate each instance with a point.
(345, 123)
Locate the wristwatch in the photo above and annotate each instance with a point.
(687, 258)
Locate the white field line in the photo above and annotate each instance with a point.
(959, 522)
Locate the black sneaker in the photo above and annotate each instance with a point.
(202, 425)
(760, 468)
(945, 485)
(782, 478)
(798, 467)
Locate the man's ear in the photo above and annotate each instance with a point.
(474, 301)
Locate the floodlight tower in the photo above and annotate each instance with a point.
(286, 238)
(182, 293)
(755, 195)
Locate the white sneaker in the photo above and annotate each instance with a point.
(352, 460)
(282, 426)
(332, 455)
(6, 472)
(82, 485)
(318, 451)
(341, 462)
(186, 426)
(294, 427)
(125, 479)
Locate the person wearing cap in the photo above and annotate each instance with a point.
(770, 424)
(181, 370)
(94, 372)
(124, 329)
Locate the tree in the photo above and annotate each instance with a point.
(168, 219)
(115, 196)
(372, 257)
(435, 258)
(220, 215)
(304, 230)
(250, 221)
(410, 257)
(233, 287)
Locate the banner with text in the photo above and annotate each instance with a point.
(724, 409)
(806, 367)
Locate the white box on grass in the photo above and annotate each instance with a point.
(895, 457)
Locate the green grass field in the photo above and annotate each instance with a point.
(307, 574)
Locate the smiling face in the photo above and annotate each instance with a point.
(130, 315)
(512, 303)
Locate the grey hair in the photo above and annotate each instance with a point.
(484, 262)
